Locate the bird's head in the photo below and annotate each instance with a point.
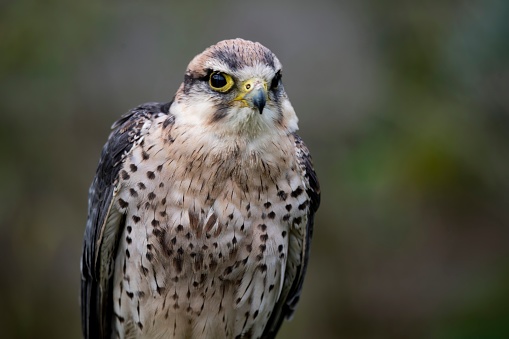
(235, 88)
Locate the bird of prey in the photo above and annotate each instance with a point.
(201, 212)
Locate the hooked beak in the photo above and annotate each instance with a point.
(254, 94)
(259, 98)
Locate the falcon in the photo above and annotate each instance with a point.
(201, 212)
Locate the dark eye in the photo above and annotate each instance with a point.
(220, 82)
(276, 80)
(217, 80)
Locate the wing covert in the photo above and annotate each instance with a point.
(104, 223)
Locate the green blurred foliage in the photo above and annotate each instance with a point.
(403, 104)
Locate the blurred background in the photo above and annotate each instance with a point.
(404, 105)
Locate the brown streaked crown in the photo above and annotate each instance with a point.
(234, 54)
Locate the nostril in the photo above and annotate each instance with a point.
(248, 86)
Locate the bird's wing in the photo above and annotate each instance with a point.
(105, 223)
(292, 288)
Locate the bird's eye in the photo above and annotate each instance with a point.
(220, 82)
(276, 80)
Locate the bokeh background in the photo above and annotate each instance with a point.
(404, 105)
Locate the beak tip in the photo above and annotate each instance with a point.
(259, 101)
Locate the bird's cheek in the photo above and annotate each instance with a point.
(240, 102)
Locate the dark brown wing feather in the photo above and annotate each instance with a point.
(96, 304)
(285, 308)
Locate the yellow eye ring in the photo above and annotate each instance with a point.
(220, 82)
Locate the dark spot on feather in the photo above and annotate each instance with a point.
(282, 195)
(271, 215)
(133, 167)
(177, 264)
(298, 191)
(151, 175)
(123, 203)
(151, 196)
(125, 175)
(144, 270)
(159, 233)
(303, 205)
(136, 218)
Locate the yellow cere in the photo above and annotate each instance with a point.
(246, 87)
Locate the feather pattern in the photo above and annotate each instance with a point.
(285, 306)
(104, 225)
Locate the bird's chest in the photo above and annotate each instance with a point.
(197, 238)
